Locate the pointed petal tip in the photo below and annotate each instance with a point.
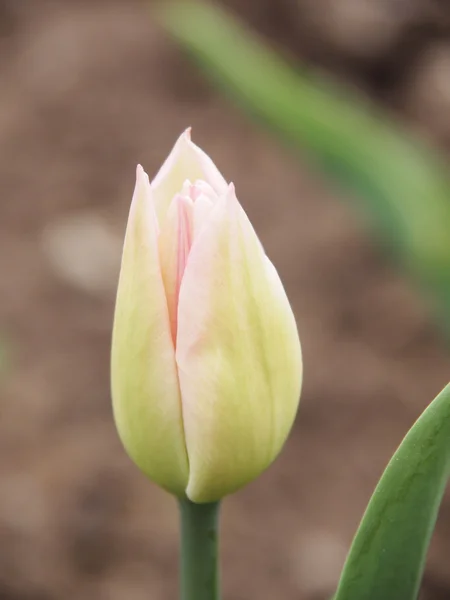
(142, 193)
(141, 175)
(230, 196)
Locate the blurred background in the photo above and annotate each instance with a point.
(87, 90)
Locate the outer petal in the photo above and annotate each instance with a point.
(186, 161)
(145, 390)
(238, 355)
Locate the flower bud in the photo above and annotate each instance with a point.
(206, 361)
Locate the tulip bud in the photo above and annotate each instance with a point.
(206, 362)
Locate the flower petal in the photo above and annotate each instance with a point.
(238, 356)
(175, 242)
(202, 208)
(144, 381)
(186, 161)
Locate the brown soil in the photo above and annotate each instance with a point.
(87, 90)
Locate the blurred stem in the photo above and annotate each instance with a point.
(199, 551)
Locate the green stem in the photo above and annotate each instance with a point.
(199, 551)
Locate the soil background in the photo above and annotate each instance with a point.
(87, 90)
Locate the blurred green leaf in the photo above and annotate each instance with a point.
(387, 557)
(404, 188)
(4, 356)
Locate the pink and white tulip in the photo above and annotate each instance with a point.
(206, 360)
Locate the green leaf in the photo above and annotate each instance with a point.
(403, 188)
(387, 557)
